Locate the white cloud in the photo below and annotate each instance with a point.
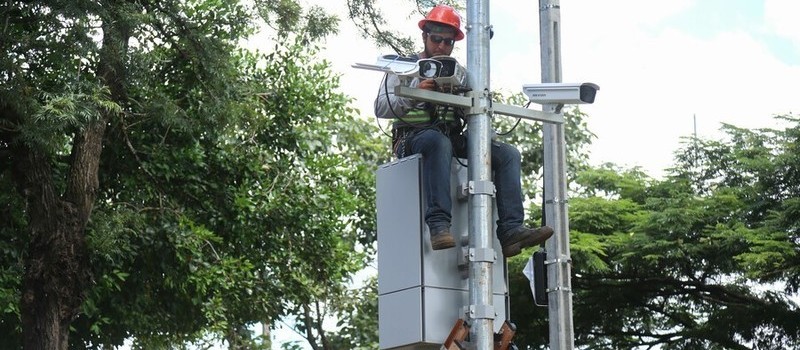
(781, 17)
(653, 83)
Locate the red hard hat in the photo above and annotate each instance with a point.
(446, 15)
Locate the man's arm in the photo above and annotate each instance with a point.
(387, 104)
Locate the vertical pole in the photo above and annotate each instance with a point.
(481, 310)
(558, 256)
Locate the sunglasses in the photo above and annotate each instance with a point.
(438, 39)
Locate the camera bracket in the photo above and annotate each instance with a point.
(470, 102)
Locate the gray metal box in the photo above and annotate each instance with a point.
(422, 292)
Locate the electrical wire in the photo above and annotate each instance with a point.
(515, 124)
(435, 122)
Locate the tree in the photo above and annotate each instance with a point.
(761, 168)
(683, 262)
(358, 318)
(41, 76)
(168, 185)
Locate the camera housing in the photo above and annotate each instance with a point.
(561, 93)
(445, 70)
(393, 64)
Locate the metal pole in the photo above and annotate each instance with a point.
(559, 285)
(481, 252)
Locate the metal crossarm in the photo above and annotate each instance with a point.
(469, 102)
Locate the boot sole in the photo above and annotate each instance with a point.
(538, 237)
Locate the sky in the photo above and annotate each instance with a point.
(666, 69)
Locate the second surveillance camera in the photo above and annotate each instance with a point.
(561, 93)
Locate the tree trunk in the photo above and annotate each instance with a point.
(266, 335)
(56, 264)
(57, 272)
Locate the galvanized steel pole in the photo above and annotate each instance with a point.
(481, 251)
(559, 285)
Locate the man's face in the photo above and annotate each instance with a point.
(439, 44)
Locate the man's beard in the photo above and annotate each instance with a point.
(429, 54)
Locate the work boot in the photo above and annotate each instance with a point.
(515, 239)
(441, 238)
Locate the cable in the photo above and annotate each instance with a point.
(515, 124)
(391, 108)
(389, 102)
(434, 122)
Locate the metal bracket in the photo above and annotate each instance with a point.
(482, 312)
(482, 255)
(463, 191)
(557, 201)
(479, 109)
(481, 187)
(433, 96)
(468, 102)
(562, 259)
(463, 262)
(526, 113)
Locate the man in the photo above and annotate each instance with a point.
(436, 132)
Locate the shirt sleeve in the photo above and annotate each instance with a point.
(387, 104)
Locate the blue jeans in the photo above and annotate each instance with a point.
(437, 150)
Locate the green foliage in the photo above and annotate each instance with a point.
(262, 213)
(11, 248)
(694, 260)
(358, 321)
(760, 168)
(367, 15)
(369, 19)
(66, 112)
(611, 182)
(235, 186)
(286, 17)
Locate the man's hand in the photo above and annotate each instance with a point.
(428, 84)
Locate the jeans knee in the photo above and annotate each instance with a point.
(433, 144)
(506, 154)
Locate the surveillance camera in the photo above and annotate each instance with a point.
(445, 70)
(429, 68)
(450, 72)
(561, 93)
